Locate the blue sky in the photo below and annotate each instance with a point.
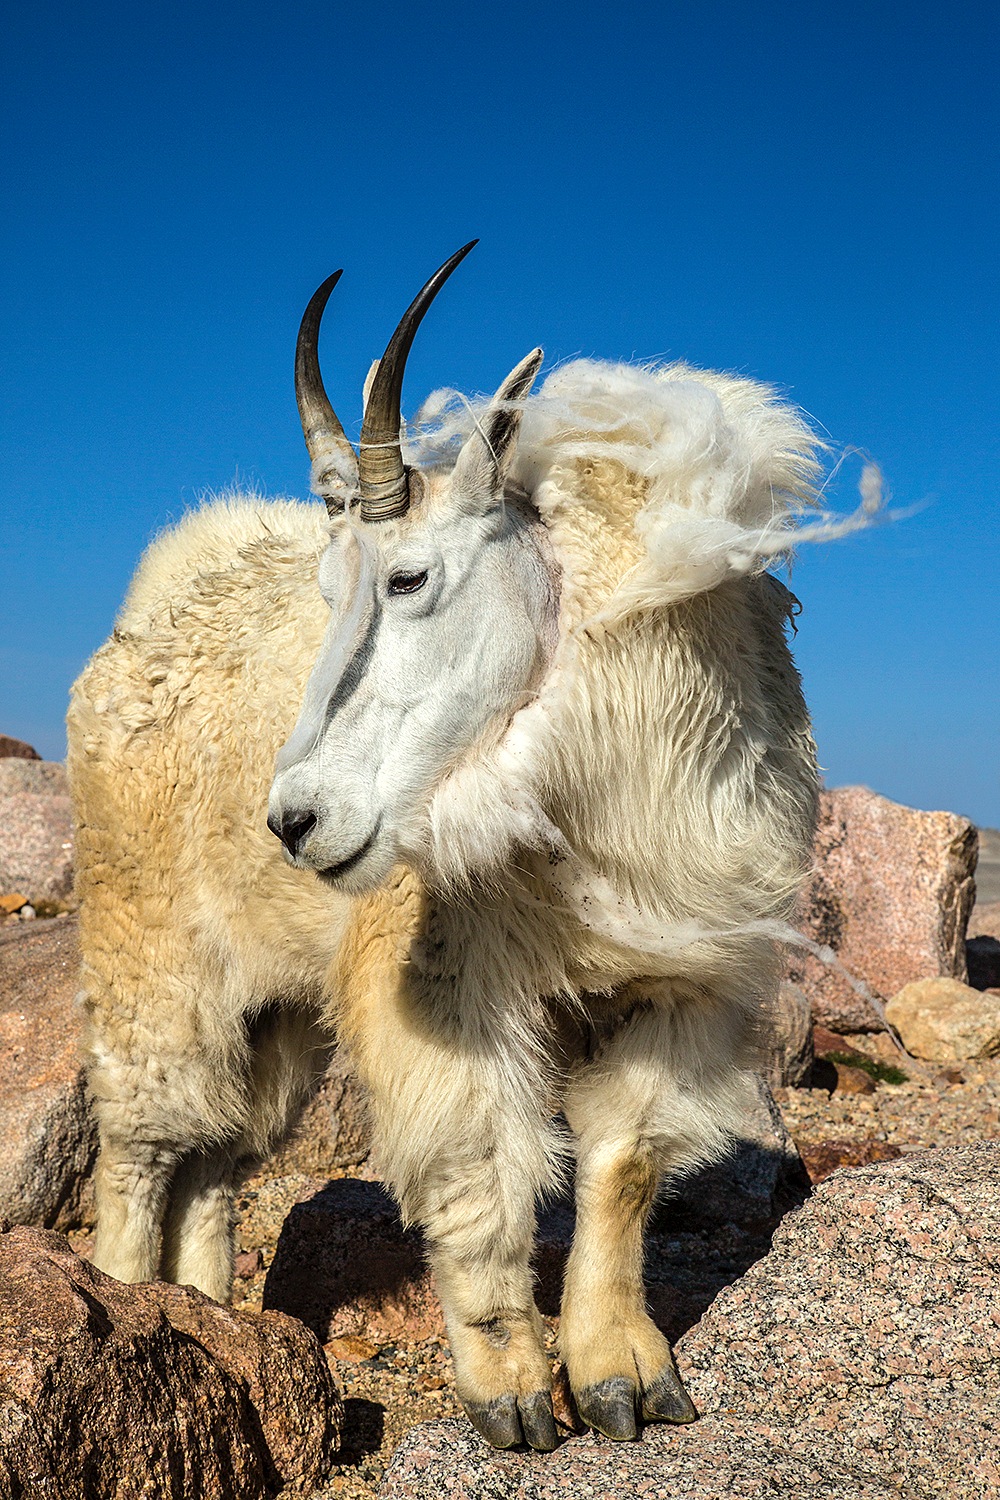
(806, 194)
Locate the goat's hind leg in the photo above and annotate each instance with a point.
(131, 1184)
(287, 1054)
(200, 1222)
(151, 1128)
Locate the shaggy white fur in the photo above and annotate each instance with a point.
(729, 468)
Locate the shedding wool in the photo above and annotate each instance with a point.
(656, 484)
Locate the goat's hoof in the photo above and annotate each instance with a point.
(538, 1421)
(666, 1400)
(497, 1420)
(508, 1421)
(609, 1407)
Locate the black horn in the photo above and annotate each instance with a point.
(335, 464)
(384, 485)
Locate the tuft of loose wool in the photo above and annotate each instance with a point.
(730, 471)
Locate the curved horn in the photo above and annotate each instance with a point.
(335, 464)
(384, 484)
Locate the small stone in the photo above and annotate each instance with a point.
(563, 1406)
(942, 1020)
(823, 1157)
(27, 912)
(853, 1080)
(885, 1049)
(431, 1382)
(13, 902)
(354, 1349)
(247, 1264)
(826, 1042)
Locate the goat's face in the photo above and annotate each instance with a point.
(442, 622)
(443, 616)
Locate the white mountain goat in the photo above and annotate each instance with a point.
(549, 796)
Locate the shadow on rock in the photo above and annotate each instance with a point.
(345, 1265)
(362, 1430)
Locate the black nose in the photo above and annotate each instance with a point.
(292, 829)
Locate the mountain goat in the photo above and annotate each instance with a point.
(549, 794)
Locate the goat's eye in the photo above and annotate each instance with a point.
(406, 583)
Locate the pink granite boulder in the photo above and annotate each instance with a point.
(47, 1137)
(36, 833)
(891, 893)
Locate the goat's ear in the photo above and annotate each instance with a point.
(486, 456)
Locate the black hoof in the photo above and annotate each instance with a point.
(538, 1421)
(497, 1420)
(666, 1400)
(609, 1406)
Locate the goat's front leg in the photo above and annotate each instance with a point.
(479, 1234)
(458, 1103)
(633, 1121)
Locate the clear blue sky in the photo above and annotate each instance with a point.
(805, 193)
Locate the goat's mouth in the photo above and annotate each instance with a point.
(345, 866)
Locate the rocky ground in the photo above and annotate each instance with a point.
(390, 1388)
(391, 1383)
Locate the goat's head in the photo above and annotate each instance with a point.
(443, 616)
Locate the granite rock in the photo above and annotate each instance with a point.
(791, 1039)
(109, 1390)
(41, 778)
(48, 1140)
(36, 832)
(851, 1080)
(334, 1130)
(944, 1021)
(890, 893)
(858, 1360)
